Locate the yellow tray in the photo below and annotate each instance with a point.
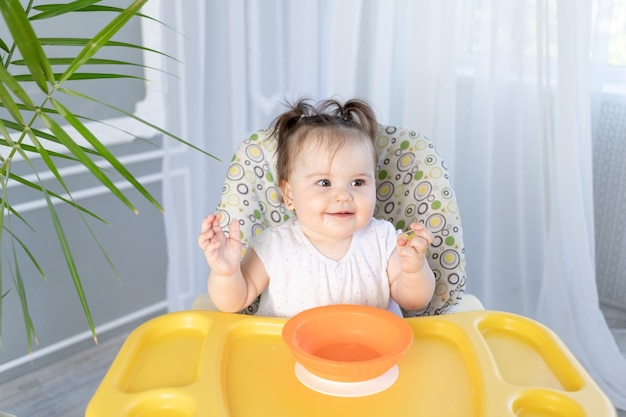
(474, 364)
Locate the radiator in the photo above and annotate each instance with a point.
(609, 181)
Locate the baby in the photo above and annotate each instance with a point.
(332, 251)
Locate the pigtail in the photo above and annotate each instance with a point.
(360, 113)
(284, 124)
(283, 127)
(353, 113)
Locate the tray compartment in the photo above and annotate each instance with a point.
(253, 365)
(545, 403)
(163, 404)
(167, 353)
(526, 354)
(445, 361)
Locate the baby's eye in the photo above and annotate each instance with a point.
(358, 183)
(324, 183)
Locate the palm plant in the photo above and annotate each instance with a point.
(34, 124)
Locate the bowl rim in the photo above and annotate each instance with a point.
(295, 322)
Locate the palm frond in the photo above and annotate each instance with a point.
(37, 124)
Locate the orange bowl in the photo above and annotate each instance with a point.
(346, 342)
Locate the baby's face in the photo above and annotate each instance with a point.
(333, 195)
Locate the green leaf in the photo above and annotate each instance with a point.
(88, 43)
(67, 253)
(119, 129)
(100, 9)
(40, 134)
(71, 264)
(14, 212)
(28, 109)
(139, 119)
(45, 156)
(59, 9)
(5, 206)
(10, 105)
(102, 250)
(69, 202)
(77, 151)
(32, 149)
(27, 252)
(82, 76)
(17, 277)
(4, 46)
(102, 38)
(103, 151)
(4, 169)
(18, 281)
(97, 61)
(15, 87)
(92, 61)
(27, 42)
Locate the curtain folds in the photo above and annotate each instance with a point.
(502, 88)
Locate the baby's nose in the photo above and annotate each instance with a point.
(343, 194)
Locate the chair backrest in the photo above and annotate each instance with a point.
(413, 185)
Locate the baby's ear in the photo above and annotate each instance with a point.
(285, 189)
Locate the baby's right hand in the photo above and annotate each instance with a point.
(222, 253)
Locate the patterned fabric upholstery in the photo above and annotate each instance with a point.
(413, 185)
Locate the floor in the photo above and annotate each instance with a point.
(64, 388)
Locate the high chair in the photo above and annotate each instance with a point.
(200, 363)
(413, 185)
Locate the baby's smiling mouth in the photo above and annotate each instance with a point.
(341, 214)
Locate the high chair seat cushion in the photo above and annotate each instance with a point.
(413, 185)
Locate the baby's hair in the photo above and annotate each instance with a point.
(329, 121)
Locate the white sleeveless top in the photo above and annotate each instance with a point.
(301, 277)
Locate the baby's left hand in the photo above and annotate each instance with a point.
(412, 247)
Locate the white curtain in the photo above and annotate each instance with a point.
(502, 88)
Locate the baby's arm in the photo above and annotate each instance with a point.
(233, 282)
(412, 282)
